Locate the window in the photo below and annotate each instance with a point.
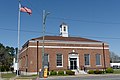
(98, 59)
(59, 60)
(87, 59)
(64, 28)
(26, 61)
(46, 60)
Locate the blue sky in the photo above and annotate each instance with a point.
(94, 19)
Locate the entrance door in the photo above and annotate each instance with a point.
(73, 63)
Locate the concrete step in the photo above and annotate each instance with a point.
(79, 72)
(23, 79)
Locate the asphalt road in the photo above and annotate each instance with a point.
(86, 77)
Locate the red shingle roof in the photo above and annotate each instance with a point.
(65, 38)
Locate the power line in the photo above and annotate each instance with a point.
(61, 18)
(86, 21)
(20, 30)
(102, 37)
(90, 36)
(33, 7)
(78, 20)
(50, 33)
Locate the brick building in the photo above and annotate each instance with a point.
(64, 52)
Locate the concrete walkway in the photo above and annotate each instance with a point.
(79, 75)
(0, 76)
(57, 77)
(22, 78)
(14, 78)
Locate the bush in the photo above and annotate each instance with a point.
(91, 72)
(7, 68)
(109, 70)
(2, 68)
(69, 72)
(60, 72)
(53, 73)
(12, 69)
(98, 72)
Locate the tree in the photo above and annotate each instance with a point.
(10, 52)
(114, 58)
(6, 55)
(2, 52)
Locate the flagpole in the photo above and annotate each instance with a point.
(18, 39)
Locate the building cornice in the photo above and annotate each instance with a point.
(69, 42)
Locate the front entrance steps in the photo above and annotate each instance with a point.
(79, 72)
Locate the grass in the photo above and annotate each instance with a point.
(25, 76)
(7, 75)
(116, 71)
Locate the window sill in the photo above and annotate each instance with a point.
(98, 65)
(87, 65)
(59, 66)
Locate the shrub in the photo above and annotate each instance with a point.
(109, 70)
(98, 72)
(60, 72)
(91, 72)
(53, 73)
(2, 68)
(69, 72)
(7, 68)
(12, 69)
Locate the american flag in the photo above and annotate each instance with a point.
(25, 9)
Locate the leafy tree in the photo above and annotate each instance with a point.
(114, 57)
(6, 55)
(2, 52)
(10, 51)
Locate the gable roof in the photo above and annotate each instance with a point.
(60, 38)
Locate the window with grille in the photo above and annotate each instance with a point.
(59, 60)
(87, 59)
(98, 56)
(46, 59)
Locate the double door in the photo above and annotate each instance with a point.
(73, 63)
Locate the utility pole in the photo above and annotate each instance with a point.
(37, 56)
(104, 56)
(44, 21)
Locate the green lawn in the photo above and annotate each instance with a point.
(116, 71)
(27, 76)
(10, 75)
(7, 75)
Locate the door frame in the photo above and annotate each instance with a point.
(73, 63)
(73, 55)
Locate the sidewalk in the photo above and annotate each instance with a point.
(22, 78)
(80, 75)
(84, 75)
(13, 78)
(57, 77)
